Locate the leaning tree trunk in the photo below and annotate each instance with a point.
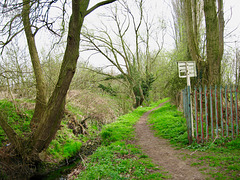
(55, 106)
(53, 115)
(41, 99)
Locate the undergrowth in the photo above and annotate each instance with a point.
(18, 118)
(66, 144)
(222, 155)
(19, 114)
(119, 161)
(117, 158)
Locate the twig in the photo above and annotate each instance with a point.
(209, 146)
(83, 161)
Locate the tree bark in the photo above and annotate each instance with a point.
(212, 36)
(221, 28)
(12, 135)
(56, 104)
(41, 99)
(192, 31)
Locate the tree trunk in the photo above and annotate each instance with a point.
(139, 97)
(41, 99)
(56, 104)
(212, 36)
(191, 35)
(221, 29)
(48, 115)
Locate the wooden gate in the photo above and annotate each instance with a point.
(214, 112)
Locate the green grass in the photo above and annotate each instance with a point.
(19, 121)
(221, 156)
(170, 124)
(123, 129)
(65, 144)
(117, 159)
(64, 150)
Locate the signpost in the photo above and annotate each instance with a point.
(187, 69)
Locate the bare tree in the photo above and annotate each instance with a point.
(27, 16)
(128, 46)
(15, 69)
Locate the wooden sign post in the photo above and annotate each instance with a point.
(187, 69)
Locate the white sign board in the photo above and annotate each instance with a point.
(185, 67)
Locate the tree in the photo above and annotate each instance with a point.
(209, 63)
(15, 73)
(214, 36)
(127, 48)
(179, 28)
(48, 112)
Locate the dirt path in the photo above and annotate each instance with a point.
(162, 154)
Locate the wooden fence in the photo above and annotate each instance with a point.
(211, 112)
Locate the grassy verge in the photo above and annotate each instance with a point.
(19, 114)
(222, 156)
(117, 159)
(19, 119)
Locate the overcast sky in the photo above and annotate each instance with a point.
(163, 9)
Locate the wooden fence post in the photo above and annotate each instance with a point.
(189, 116)
(211, 111)
(201, 113)
(236, 107)
(231, 107)
(216, 110)
(226, 104)
(221, 108)
(206, 112)
(196, 111)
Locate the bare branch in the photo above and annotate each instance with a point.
(99, 5)
(105, 74)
